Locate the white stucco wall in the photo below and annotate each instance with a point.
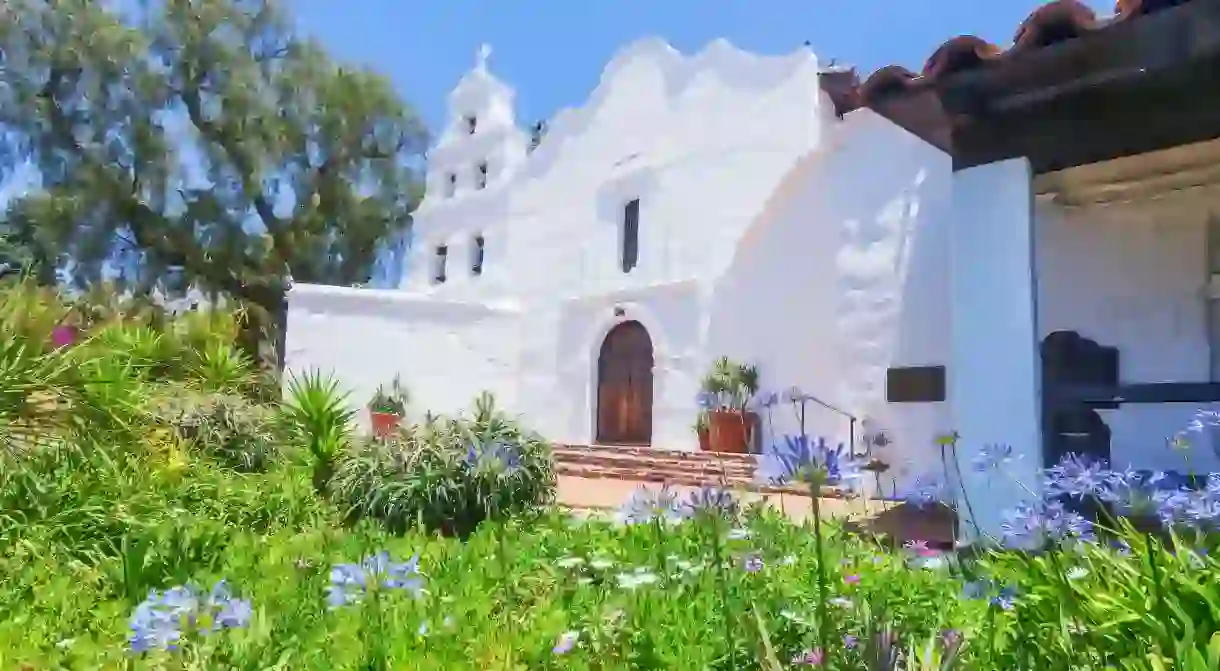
(770, 232)
(702, 140)
(843, 276)
(446, 353)
(1131, 276)
(994, 374)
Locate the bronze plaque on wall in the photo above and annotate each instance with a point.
(915, 384)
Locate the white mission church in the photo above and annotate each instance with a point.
(1017, 245)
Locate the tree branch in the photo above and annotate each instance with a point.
(169, 243)
(221, 137)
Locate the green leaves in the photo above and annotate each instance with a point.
(171, 137)
(427, 475)
(318, 411)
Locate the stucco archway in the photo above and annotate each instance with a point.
(624, 386)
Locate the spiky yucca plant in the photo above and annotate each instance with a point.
(317, 411)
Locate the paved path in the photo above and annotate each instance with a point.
(586, 493)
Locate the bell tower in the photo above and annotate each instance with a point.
(480, 144)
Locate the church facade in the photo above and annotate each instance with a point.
(912, 249)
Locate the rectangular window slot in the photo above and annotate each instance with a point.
(631, 236)
(442, 259)
(476, 260)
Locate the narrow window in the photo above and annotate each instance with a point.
(631, 235)
(472, 123)
(442, 258)
(482, 177)
(476, 256)
(450, 185)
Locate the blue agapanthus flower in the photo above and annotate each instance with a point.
(1135, 492)
(350, 582)
(1200, 509)
(925, 491)
(1203, 422)
(1002, 597)
(649, 504)
(1078, 477)
(799, 459)
(162, 620)
(992, 457)
(494, 456)
(710, 500)
(1006, 599)
(1049, 520)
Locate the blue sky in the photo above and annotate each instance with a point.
(553, 51)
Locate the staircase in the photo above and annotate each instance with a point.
(690, 469)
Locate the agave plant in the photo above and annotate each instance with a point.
(318, 411)
(221, 367)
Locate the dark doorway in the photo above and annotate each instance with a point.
(1071, 365)
(624, 386)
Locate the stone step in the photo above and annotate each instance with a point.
(673, 477)
(611, 451)
(656, 461)
(691, 469)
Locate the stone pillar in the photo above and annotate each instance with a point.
(994, 370)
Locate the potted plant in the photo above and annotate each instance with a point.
(387, 408)
(701, 430)
(727, 391)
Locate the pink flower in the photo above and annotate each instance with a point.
(921, 548)
(852, 579)
(809, 658)
(62, 336)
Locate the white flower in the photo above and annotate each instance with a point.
(1077, 572)
(639, 578)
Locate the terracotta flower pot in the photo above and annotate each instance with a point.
(705, 440)
(731, 431)
(384, 423)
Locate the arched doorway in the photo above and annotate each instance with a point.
(624, 386)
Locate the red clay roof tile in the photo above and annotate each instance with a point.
(1049, 24)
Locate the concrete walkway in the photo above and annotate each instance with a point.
(590, 493)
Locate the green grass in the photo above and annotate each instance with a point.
(137, 460)
(563, 575)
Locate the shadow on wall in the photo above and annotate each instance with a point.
(844, 274)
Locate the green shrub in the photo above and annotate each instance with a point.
(230, 429)
(443, 475)
(317, 415)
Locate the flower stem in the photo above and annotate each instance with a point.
(502, 557)
(823, 622)
(961, 483)
(722, 584)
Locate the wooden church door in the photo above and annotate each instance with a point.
(624, 386)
